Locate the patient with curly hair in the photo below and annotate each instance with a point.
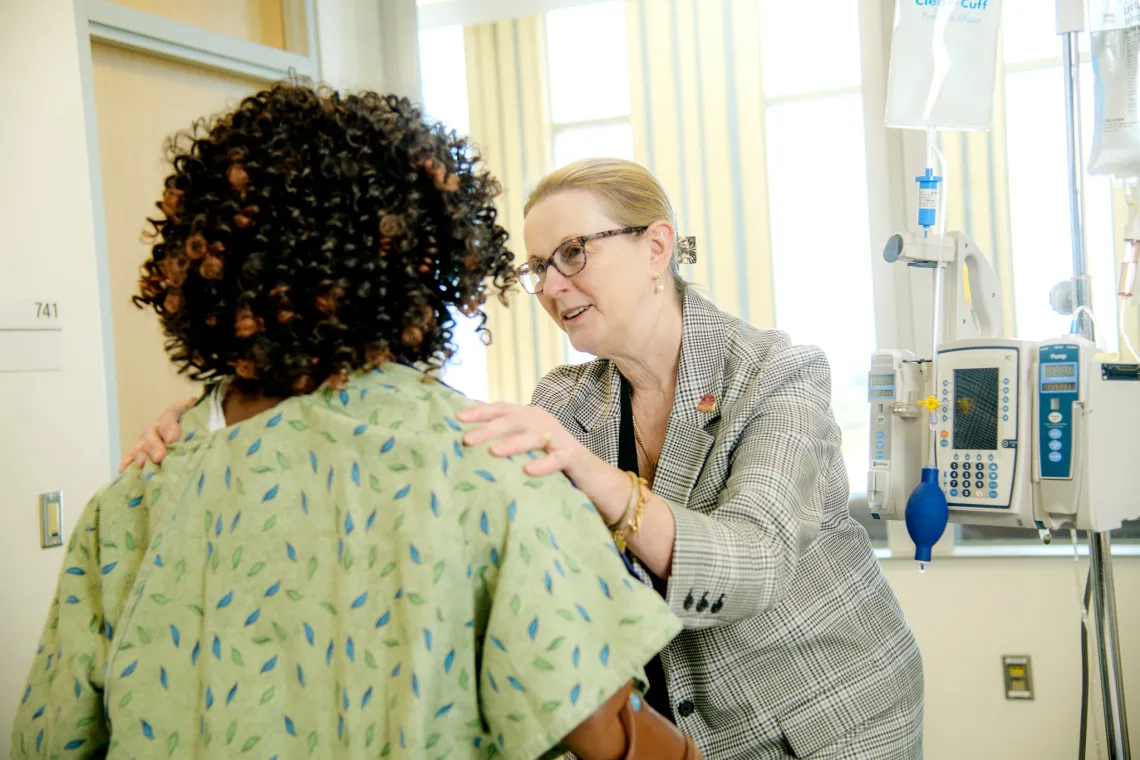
(320, 567)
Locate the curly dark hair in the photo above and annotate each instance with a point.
(308, 234)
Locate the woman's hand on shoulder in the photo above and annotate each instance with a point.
(517, 429)
(155, 438)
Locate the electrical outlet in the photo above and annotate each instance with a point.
(1018, 674)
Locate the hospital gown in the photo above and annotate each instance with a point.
(337, 577)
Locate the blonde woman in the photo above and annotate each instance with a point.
(793, 644)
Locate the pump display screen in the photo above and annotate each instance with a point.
(882, 380)
(976, 408)
(1058, 370)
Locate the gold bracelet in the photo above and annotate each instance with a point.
(630, 524)
(628, 507)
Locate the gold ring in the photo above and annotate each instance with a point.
(546, 445)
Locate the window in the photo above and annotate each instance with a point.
(817, 175)
(589, 90)
(442, 62)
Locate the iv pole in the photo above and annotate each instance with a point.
(1070, 23)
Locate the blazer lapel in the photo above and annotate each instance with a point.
(696, 401)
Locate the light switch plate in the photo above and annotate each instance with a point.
(51, 519)
(1018, 674)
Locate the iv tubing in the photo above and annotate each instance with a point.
(931, 151)
(1122, 310)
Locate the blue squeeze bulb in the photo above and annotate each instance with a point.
(926, 514)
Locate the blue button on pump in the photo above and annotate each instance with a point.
(945, 444)
(1054, 445)
(953, 491)
(880, 434)
(993, 494)
(880, 455)
(1055, 433)
(993, 465)
(1055, 456)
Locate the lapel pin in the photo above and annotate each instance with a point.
(707, 403)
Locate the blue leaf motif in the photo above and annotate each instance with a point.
(175, 635)
(549, 583)
(39, 740)
(415, 553)
(582, 611)
(449, 661)
(217, 648)
(383, 621)
(234, 432)
(356, 473)
(498, 644)
(427, 639)
(232, 694)
(134, 502)
(403, 492)
(76, 571)
(452, 424)
(329, 654)
(444, 710)
(532, 629)
(194, 653)
(270, 664)
(270, 495)
(304, 503)
(348, 524)
(387, 445)
(443, 463)
(558, 567)
(290, 552)
(511, 509)
(75, 744)
(272, 590)
(73, 599)
(605, 588)
(575, 693)
(308, 632)
(370, 522)
(158, 561)
(396, 670)
(162, 677)
(494, 556)
(225, 600)
(576, 658)
(484, 524)
(78, 690)
(485, 475)
(434, 504)
(514, 682)
(366, 698)
(209, 697)
(109, 568)
(553, 540)
(458, 450)
(330, 481)
(605, 655)
(201, 482)
(313, 461)
(274, 420)
(127, 671)
(218, 526)
(350, 650)
(253, 616)
(289, 728)
(301, 676)
(344, 398)
(148, 732)
(360, 429)
(234, 524)
(415, 684)
(253, 449)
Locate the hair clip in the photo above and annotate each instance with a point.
(687, 250)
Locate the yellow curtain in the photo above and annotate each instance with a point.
(698, 123)
(510, 126)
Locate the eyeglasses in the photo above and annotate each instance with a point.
(568, 259)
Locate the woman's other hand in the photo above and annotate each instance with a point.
(154, 440)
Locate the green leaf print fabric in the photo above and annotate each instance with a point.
(338, 577)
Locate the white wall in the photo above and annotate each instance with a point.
(968, 612)
(54, 429)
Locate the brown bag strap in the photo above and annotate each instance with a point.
(625, 727)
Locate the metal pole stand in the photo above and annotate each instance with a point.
(1100, 544)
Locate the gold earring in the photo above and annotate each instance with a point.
(660, 284)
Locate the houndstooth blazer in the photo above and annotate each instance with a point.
(793, 643)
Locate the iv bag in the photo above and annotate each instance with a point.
(1115, 26)
(943, 64)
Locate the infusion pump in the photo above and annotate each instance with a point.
(1026, 434)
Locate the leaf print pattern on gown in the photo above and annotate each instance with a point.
(338, 577)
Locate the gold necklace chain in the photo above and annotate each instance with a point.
(641, 443)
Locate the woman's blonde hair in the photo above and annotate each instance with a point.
(629, 192)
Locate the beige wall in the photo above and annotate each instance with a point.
(53, 425)
(968, 612)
